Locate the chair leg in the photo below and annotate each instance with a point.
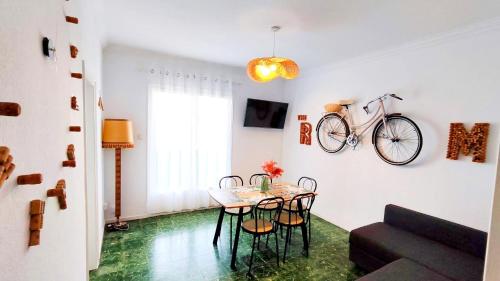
(231, 232)
(288, 232)
(270, 219)
(309, 237)
(277, 248)
(251, 257)
(281, 231)
(305, 239)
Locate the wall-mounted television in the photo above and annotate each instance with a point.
(265, 114)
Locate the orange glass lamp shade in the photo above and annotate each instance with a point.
(268, 68)
(117, 133)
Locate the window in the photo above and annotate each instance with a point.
(189, 145)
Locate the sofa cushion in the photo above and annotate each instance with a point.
(457, 236)
(404, 269)
(389, 243)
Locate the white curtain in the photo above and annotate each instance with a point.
(189, 137)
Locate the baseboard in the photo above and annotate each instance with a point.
(145, 216)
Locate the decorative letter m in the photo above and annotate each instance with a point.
(461, 141)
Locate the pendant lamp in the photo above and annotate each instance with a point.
(268, 68)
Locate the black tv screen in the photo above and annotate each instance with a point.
(265, 114)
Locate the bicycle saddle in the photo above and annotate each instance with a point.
(345, 102)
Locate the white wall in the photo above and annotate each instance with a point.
(125, 96)
(450, 78)
(492, 271)
(38, 140)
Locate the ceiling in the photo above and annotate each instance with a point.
(313, 32)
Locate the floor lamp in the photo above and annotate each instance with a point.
(117, 134)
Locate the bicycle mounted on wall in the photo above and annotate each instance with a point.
(396, 138)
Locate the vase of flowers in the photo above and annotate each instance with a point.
(273, 171)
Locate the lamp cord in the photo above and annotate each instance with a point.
(274, 42)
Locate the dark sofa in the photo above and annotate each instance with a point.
(418, 246)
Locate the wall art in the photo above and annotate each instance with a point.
(60, 192)
(30, 179)
(74, 104)
(10, 109)
(37, 209)
(467, 143)
(305, 130)
(76, 75)
(73, 50)
(100, 104)
(72, 20)
(6, 165)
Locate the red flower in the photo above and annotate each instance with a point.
(271, 169)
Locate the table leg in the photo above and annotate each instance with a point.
(219, 225)
(236, 239)
(303, 227)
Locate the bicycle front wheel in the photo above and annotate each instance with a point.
(332, 132)
(399, 142)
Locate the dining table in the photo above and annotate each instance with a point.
(249, 196)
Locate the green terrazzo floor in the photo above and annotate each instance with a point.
(179, 247)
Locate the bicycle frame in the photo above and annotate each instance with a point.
(379, 114)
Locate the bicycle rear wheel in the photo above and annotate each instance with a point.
(400, 143)
(332, 132)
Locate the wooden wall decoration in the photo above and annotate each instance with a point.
(69, 163)
(461, 141)
(37, 209)
(70, 152)
(76, 75)
(74, 104)
(6, 165)
(10, 109)
(60, 192)
(100, 104)
(73, 50)
(305, 130)
(72, 20)
(30, 179)
(305, 133)
(75, 129)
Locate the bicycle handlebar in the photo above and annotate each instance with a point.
(380, 98)
(395, 96)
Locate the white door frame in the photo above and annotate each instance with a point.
(492, 270)
(94, 212)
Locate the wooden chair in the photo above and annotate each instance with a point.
(309, 184)
(259, 225)
(231, 182)
(256, 179)
(299, 218)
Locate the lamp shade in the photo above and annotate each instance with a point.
(117, 133)
(269, 68)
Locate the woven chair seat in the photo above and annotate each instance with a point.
(262, 226)
(290, 219)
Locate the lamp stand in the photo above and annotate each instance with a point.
(118, 193)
